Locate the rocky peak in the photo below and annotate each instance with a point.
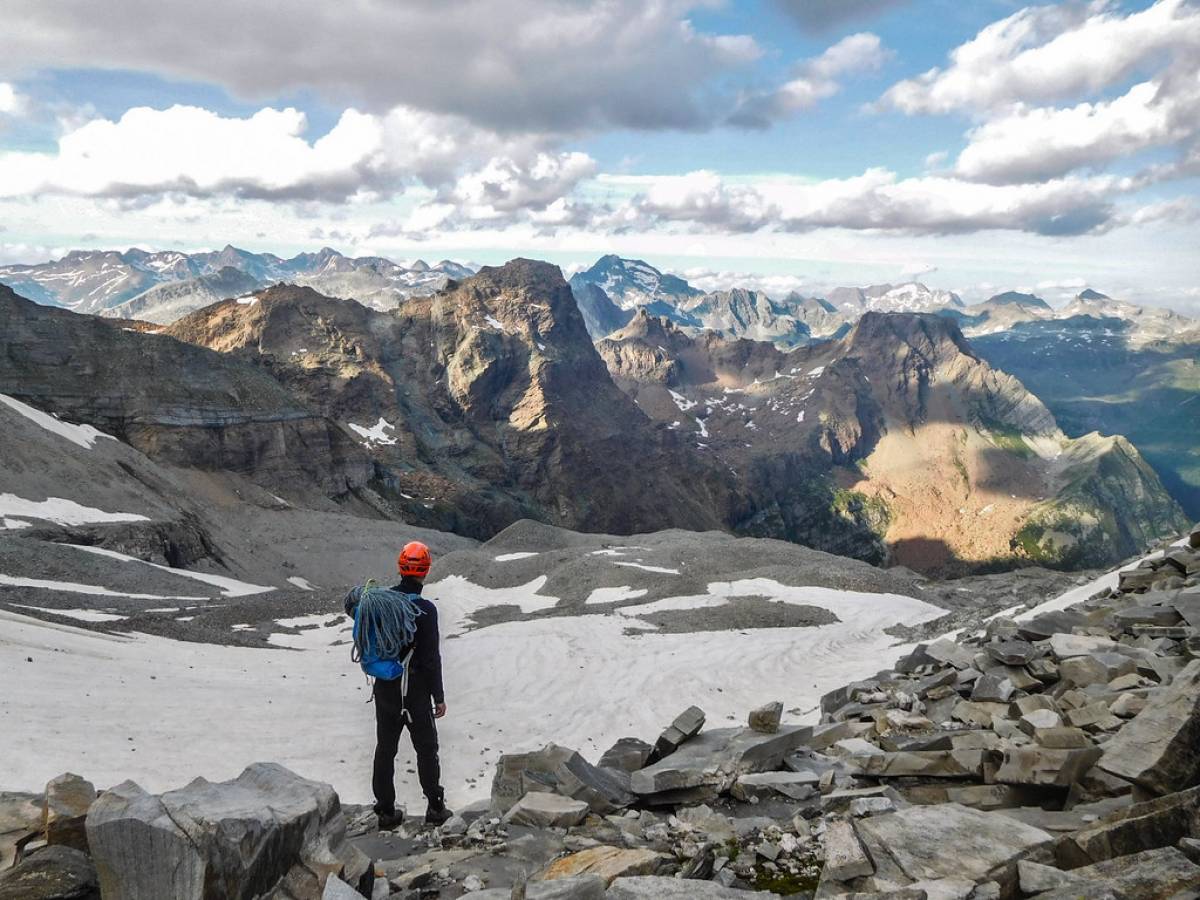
(1016, 298)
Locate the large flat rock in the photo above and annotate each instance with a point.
(653, 887)
(715, 758)
(1159, 748)
(947, 841)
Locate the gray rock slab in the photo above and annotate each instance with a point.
(924, 764)
(1160, 822)
(558, 770)
(539, 809)
(628, 755)
(1151, 874)
(764, 785)
(845, 857)
(1042, 766)
(949, 841)
(685, 727)
(1159, 748)
(715, 758)
(578, 887)
(657, 887)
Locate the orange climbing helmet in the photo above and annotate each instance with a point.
(414, 560)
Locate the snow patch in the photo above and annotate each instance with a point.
(660, 569)
(513, 557)
(13, 524)
(301, 583)
(64, 512)
(681, 401)
(230, 587)
(83, 615)
(614, 594)
(81, 435)
(70, 587)
(376, 434)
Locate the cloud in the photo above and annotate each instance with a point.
(822, 15)
(194, 152)
(1044, 53)
(504, 186)
(544, 66)
(917, 269)
(1033, 144)
(815, 79)
(879, 200)
(11, 102)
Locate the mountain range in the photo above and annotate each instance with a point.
(489, 402)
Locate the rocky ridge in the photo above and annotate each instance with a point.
(1052, 755)
(928, 455)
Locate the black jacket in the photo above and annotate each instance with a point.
(426, 673)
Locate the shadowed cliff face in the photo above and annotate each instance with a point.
(482, 404)
(899, 437)
(176, 403)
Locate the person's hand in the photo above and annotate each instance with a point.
(439, 710)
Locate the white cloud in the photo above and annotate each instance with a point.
(192, 151)
(1031, 144)
(815, 80)
(1044, 53)
(878, 200)
(913, 270)
(504, 186)
(776, 286)
(11, 102)
(540, 66)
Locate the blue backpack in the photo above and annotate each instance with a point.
(385, 625)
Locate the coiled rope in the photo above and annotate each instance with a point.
(385, 620)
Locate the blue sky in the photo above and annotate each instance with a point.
(777, 143)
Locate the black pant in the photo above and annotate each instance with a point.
(389, 722)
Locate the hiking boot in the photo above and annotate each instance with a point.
(437, 813)
(389, 819)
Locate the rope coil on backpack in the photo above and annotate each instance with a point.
(386, 621)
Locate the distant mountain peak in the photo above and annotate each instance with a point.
(1089, 294)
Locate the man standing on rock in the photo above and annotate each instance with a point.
(396, 642)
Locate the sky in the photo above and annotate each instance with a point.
(772, 144)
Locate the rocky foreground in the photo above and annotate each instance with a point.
(1057, 756)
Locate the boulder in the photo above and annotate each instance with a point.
(923, 764)
(766, 718)
(268, 830)
(685, 727)
(948, 841)
(51, 873)
(1042, 766)
(1034, 878)
(558, 770)
(1067, 646)
(1062, 738)
(651, 887)
(992, 688)
(1150, 875)
(608, 863)
(1012, 653)
(336, 889)
(1159, 748)
(539, 809)
(580, 887)
(1160, 822)
(64, 810)
(845, 857)
(715, 758)
(627, 755)
(767, 785)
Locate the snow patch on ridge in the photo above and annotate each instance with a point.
(376, 434)
(64, 512)
(81, 435)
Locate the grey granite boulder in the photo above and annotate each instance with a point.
(579, 887)
(1152, 874)
(1160, 822)
(64, 810)
(267, 833)
(1159, 748)
(715, 758)
(1042, 766)
(559, 770)
(766, 718)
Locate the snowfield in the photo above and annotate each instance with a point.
(161, 711)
